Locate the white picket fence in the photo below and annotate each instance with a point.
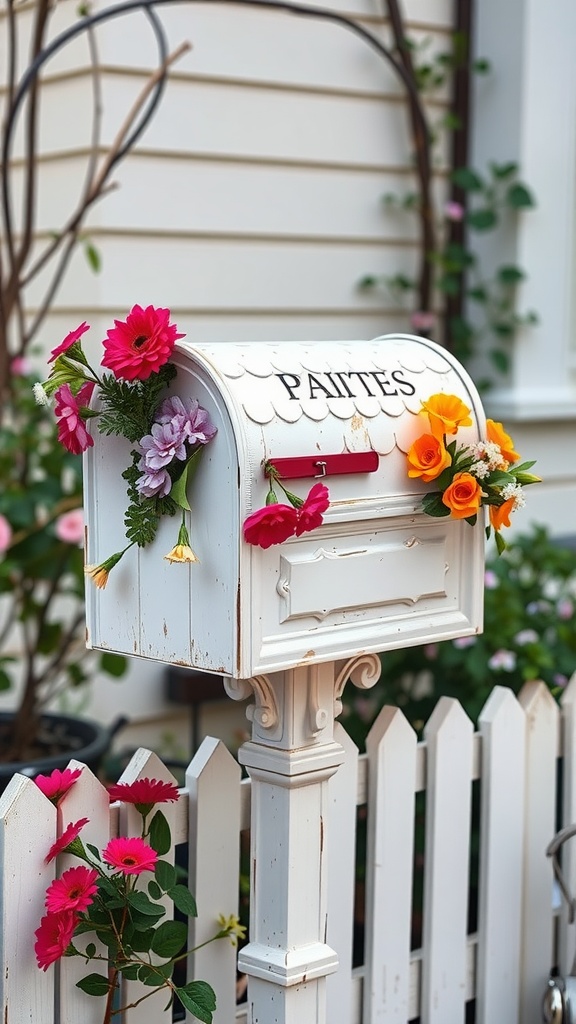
(504, 964)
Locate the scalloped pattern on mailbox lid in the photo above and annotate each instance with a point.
(378, 574)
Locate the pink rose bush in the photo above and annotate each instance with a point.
(167, 434)
(118, 896)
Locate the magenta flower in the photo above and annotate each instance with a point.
(310, 513)
(73, 891)
(55, 785)
(69, 527)
(69, 835)
(69, 340)
(53, 937)
(5, 534)
(272, 524)
(131, 856)
(144, 791)
(19, 366)
(453, 211)
(422, 320)
(140, 345)
(72, 431)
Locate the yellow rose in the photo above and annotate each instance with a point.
(427, 458)
(446, 413)
(463, 496)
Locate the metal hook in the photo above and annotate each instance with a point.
(322, 467)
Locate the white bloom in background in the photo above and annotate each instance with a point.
(526, 636)
(40, 395)
(551, 589)
(502, 660)
(462, 642)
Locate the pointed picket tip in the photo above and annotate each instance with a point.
(212, 752)
(502, 704)
(145, 764)
(345, 741)
(535, 697)
(23, 788)
(569, 694)
(447, 714)
(390, 722)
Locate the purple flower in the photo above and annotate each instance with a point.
(194, 421)
(504, 660)
(526, 636)
(166, 442)
(462, 642)
(565, 608)
(491, 580)
(453, 210)
(153, 484)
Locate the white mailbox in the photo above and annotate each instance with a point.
(377, 574)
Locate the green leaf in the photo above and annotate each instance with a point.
(159, 836)
(96, 854)
(165, 875)
(510, 275)
(199, 998)
(5, 681)
(482, 219)
(154, 890)
(502, 171)
(169, 938)
(94, 985)
(481, 66)
(115, 665)
(501, 360)
(142, 940)
(91, 950)
(183, 900)
(519, 197)
(434, 506)
(143, 905)
(467, 179)
(500, 542)
(154, 976)
(93, 257)
(130, 971)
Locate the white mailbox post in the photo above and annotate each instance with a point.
(292, 623)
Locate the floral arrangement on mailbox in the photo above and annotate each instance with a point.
(351, 564)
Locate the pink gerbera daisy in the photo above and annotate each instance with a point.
(144, 792)
(73, 891)
(140, 345)
(132, 856)
(70, 833)
(54, 936)
(55, 785)
(69, 340)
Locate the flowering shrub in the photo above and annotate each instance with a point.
(529, 633)
(276, 522)
(470, 476)
(168, 436)
(42, 625)
(102, 897)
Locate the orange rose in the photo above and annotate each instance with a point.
(500, 514)
(446, 413)
(463, 496)
(427, 458)
(497, 435)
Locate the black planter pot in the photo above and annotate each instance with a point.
(81, 738)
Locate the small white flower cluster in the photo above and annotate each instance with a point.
(516, 492)
(488, 457)
(40, 395)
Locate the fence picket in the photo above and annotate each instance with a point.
(567, 931)
(213, 781)
(391, 751)
(502, 727)
(343, 788)
(448, 736)
(542, 730)
(87, 798)
(27, 831)
(145, 765)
